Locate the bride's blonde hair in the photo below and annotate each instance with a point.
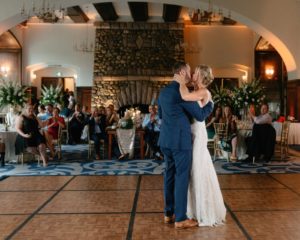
(206, 73)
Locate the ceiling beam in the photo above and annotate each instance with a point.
(106, 11)
(139, 11)
(77, 15)
(171, 12)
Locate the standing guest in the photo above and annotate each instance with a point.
(151, 124)
(76, 124)
(29, 137)
(53, 125)
(66, 98)
(71, 99)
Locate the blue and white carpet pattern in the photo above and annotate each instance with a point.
(75, 162)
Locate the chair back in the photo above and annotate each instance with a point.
(285, 132)
(221, 130)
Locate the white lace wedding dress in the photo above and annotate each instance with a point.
(205, 201)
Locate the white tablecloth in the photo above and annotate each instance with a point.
(294, 132)
(9, 138)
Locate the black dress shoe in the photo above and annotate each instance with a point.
(159, 158)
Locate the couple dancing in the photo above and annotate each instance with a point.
(192, 194)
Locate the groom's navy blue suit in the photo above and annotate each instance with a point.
(175, 141)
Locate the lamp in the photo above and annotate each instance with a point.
(210, 17)
(43, 12)
(269, 71)
(4, 70)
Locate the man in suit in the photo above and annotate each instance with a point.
(96, 130)
(175, 141)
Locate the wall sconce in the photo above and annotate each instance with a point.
(58, 74)
(269, 71)
(4, 70)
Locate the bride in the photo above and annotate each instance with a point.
(205, 201)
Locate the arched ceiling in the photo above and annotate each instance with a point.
(254, 15)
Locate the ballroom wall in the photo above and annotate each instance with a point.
(229, 50)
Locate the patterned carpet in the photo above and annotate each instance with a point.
(75, 162)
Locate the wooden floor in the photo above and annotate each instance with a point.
(260, 206)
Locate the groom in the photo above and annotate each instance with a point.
(175, 141)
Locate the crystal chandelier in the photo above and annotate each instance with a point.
(209, 16)
(44, 12)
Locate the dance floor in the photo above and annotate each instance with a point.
(260, 206)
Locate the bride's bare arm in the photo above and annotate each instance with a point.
(184, 92)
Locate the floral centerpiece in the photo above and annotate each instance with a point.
(131, 118)
(248, 94)
(222, 96)
(51, 95)
(12, 94)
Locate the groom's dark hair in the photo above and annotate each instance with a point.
(178, 66)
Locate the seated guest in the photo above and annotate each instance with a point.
(151, 124)
(49, 110)
(53, 124)
(42, 115)
(111, 116)
(264, 117)
(96, 130)
(230, 121)
(262, 141)
(214, 119)
(29, 137)
(86, 113)
(76, 124)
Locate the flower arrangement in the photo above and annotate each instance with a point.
(13, 94)
(251, 93)
(222, 96)
(51, 95)
(131, 117)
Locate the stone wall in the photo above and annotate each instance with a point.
(137, 49)
(123, 92)
(132, 58)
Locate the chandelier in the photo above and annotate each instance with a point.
(209, 16)
(87, 45)
(44, 12)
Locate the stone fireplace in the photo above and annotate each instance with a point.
(134, 60)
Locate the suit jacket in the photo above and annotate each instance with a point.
(175, 132)
(92, 123)
(262, 141)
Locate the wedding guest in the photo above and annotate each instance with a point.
(53, 125)
(151, 124)
(86, 113)
(11, 117)
(264, 117)
(49, 110)
(71, 99)
(217, 116)
(111, 116)
(230, 121)
(76, 124)
(42, 115)
(263, 138)
(29, 137)
(96, 130)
